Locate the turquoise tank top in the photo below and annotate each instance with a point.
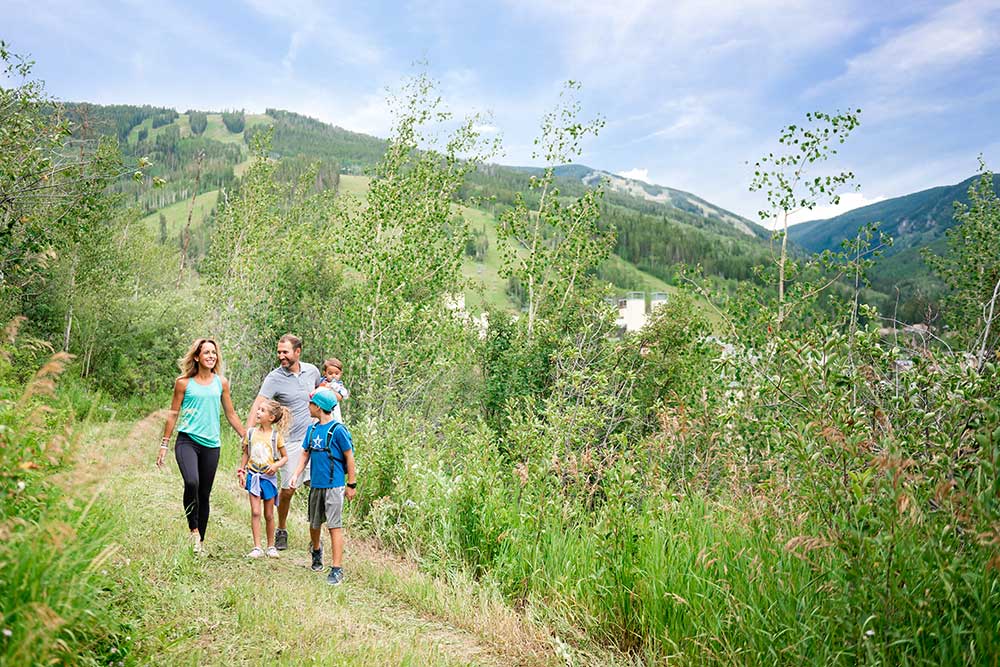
(200, 412)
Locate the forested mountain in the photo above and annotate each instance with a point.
(658, 228)
(915, 222)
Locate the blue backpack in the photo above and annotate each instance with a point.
(327, 447)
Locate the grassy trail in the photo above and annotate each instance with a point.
(221, 608)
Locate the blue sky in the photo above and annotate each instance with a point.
(690, 90)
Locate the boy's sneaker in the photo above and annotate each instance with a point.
(256, 552)
(335, 577)
(280, 539)
(317, 564)
(271, 552)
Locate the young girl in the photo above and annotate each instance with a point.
(263, 454)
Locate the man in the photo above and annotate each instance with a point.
(290, 384)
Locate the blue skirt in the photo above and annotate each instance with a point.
(267, 488)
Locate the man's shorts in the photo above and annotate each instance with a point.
(294, 451)
(326, 506)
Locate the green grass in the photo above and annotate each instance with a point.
(176, 215)
(222, 608)
(354, 185)
(486, 287)
(215, 130)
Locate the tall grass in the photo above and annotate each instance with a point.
(57, 537)
(670, 571)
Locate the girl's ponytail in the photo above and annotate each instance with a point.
(283, 419)
(282, 415)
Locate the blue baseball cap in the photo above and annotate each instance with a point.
(325, 399)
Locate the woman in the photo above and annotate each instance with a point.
(198, 394)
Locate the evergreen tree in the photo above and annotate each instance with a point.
(198, 120)
(235, 121)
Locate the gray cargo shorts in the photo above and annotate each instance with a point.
(326, 506)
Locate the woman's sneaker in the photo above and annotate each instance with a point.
(280, 539)
(335, 577)
(317, 555)
(272, 552)
(256, 552)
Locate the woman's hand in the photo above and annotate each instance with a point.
(164, 446)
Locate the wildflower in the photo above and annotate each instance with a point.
(7, 632)
(870, 633)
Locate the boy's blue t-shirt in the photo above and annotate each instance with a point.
(323, 475)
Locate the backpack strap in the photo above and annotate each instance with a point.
(274, 443)
(329, 449)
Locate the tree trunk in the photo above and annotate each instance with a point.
(186, 235)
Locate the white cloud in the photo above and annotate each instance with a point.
(944, 41)
(848, 202)
(636, 174)
(321, 26)
(686, 41)
(485, 128)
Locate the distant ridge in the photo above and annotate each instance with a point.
(657, 194)
(915, 220)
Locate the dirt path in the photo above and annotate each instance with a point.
(224, 609)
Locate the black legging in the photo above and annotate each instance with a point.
(198, 465)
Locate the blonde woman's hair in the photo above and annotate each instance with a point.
(189, 364)
(282, 415)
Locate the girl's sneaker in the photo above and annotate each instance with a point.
(271, 552)
(335, 577)
(196, 545)
(256, 552)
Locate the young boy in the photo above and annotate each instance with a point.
(332, 478)
(333, 369)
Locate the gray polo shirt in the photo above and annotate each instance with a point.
(292, 390)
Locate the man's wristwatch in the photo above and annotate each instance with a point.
(352, 485)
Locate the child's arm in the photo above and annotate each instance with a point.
(352, 477)
(303, 462)
(340, 390)
(282, 459)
